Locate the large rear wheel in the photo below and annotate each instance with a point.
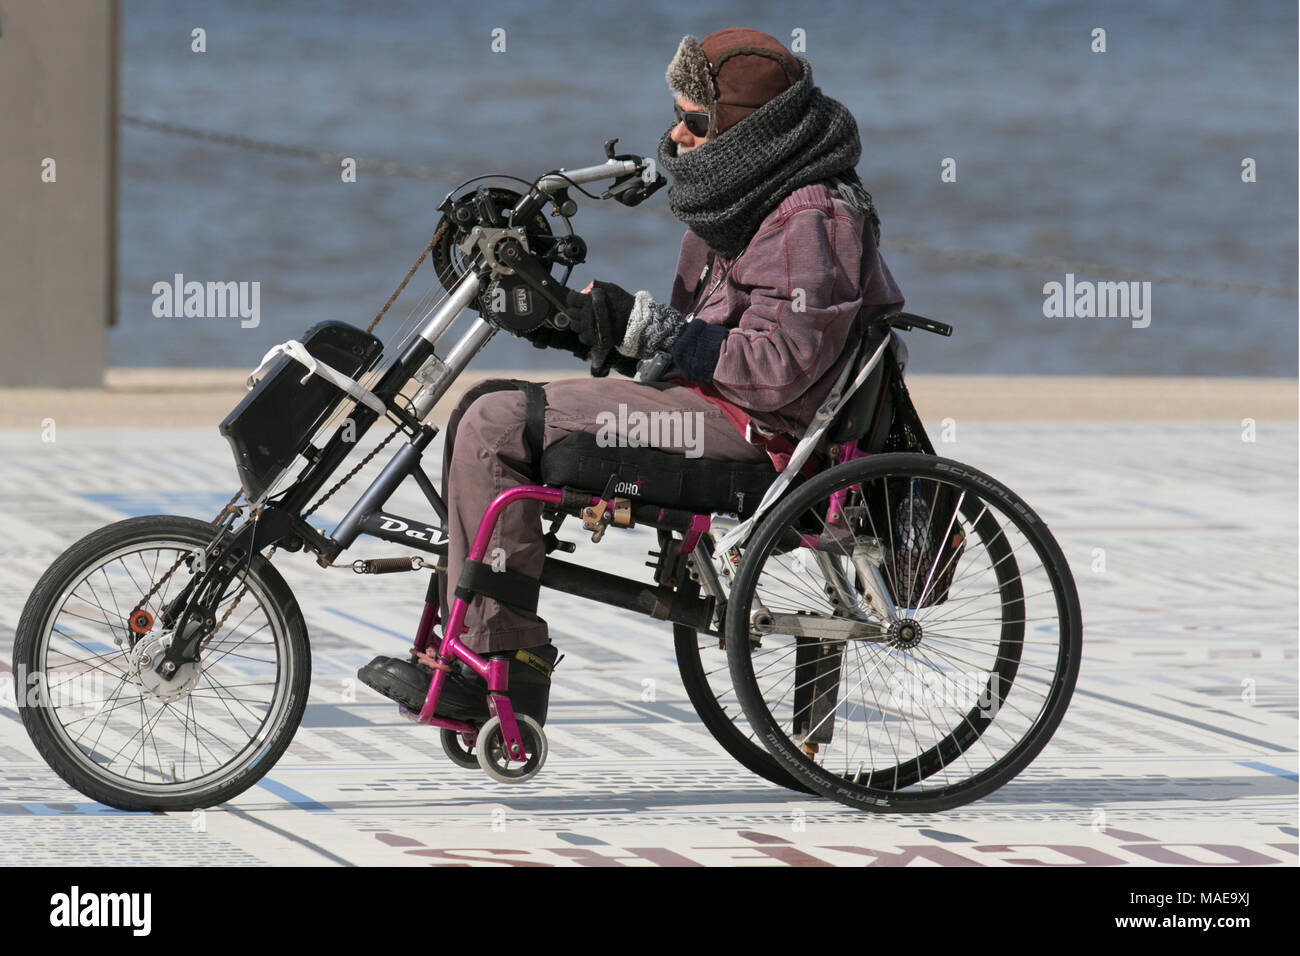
(904, 633)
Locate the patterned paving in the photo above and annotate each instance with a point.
(1179, 746)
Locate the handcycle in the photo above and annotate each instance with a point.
(874, 624)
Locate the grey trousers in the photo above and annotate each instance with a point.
(489, 455)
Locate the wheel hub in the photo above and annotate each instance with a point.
(145, 657)
(905, 632)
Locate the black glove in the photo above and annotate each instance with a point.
(600, 320)
(546, 336)
(619, 363)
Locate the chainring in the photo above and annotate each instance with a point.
(449, 262)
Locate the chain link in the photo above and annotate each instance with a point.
(234, 604)
(437, 234)
(229, 507)
(386, 167)
(956, 257)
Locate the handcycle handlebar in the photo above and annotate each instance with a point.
(631, 187)
(515, 257)
(564, 178)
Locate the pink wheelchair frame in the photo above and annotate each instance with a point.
(495, 671)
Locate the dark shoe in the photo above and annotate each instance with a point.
(407, 682)
(464, 693)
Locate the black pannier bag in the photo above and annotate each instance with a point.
(913, 516)
(276, 420)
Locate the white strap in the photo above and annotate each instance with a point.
(802, 451)
(298, 352)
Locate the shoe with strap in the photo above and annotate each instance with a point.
(464, 693)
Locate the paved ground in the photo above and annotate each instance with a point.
(1179, 747)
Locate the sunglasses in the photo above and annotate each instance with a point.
(696, 123)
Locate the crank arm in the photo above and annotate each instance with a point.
(534, 276)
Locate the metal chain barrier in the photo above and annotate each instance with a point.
(961, 257)
(385, 167)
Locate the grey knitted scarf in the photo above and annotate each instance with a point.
(725, 188)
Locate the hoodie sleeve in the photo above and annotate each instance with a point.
(802, 274)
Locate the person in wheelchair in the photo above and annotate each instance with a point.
(777, 277)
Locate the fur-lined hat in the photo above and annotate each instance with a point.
(731, 73)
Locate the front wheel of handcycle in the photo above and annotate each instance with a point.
(88, 687)
(904, 633)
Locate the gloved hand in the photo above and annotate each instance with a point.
(600, 321)
(567, 340)
(619, 363)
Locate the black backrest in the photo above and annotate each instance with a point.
(865, 417)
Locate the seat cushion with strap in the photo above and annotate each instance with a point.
(651, 476)
(705, 485)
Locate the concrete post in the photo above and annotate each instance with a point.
(58, 74)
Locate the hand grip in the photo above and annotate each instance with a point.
(907, 321)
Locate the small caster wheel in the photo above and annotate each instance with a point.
(453, 745)
(492, 752)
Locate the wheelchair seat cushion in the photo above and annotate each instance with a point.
(651, 476)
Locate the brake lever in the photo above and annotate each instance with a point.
(631, 190)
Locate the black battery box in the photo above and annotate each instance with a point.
(274, 422)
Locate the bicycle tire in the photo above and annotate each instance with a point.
(84, 768)
(724, 725)
(905, 791)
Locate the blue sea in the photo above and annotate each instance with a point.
(1118, 164)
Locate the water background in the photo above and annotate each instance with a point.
(1130, 159)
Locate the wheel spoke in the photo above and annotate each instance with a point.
(151, 737)
(945, 697)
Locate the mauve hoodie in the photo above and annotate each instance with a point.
(783, 351)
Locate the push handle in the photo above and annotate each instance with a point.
(908, 321)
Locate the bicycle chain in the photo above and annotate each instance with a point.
(234, 604)
(437, 234)
(230, 505)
